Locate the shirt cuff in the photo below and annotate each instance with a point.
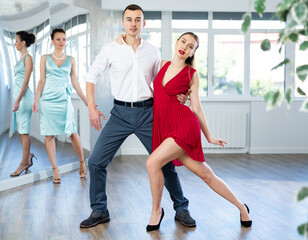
(90, 79)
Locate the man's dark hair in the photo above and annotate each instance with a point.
(132, 7)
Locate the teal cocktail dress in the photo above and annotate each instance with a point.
(22, 117)
(55, 106)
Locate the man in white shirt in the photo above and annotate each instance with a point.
(132, 66)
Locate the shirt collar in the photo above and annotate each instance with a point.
(140, 46)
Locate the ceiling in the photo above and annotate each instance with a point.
(18, 9)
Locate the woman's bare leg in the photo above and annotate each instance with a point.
(215, 183)
(25, 143)
(24, 164)
(166, 152)
(51, 150)
(75, 139)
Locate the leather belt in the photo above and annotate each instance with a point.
(148, 102)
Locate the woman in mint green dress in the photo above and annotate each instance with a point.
(23, 98)
(53, 100)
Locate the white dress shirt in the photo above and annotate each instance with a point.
(131, 73)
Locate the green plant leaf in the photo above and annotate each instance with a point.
(304, 31)
(272, 99)
(286, 61)
(293, 37)
(304, 107)
(302, 72)
(247, 20)
(292, 24)
(302, 193)
(301, 92)
(265, 45)
(299, 12)
(303, 228)
(288, 95)
(276, 97)
(282, 35)
(260, 6)
(283, 8)
(303, 46)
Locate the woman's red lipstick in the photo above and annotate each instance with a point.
(181, 52)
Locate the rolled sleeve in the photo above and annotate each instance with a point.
(99, 65)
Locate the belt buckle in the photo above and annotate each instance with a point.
(132, 105)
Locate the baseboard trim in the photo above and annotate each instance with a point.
(142, 151)
(34, 177)
(224, 151)
(278, 150)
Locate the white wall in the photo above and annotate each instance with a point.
(280, 130)
(192, 5)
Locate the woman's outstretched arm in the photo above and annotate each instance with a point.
(198, 111)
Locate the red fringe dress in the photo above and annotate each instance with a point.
(173, 119)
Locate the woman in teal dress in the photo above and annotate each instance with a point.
(53, 100)
(23, 98)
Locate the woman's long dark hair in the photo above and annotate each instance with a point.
(190, 60)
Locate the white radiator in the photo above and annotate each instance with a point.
(229, 126)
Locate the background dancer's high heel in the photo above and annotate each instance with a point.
(31, 155)
(22, 166)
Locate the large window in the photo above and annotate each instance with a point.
(268, 21)
(228, 64)
(189, 20)
(227, 20)
(262, 78)
(301, 58)
(152, 30)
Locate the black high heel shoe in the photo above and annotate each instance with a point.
(246, 223)
(155, 227)
(22, 167)
(31, 159)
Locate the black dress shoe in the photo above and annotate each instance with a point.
(155, 227)
(94, 219)
(184, 217)
(246, 223)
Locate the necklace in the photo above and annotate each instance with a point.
(58, 58)
(23, 56)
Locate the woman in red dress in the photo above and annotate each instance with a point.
(177, 130)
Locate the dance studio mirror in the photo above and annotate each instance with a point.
(39, 18)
